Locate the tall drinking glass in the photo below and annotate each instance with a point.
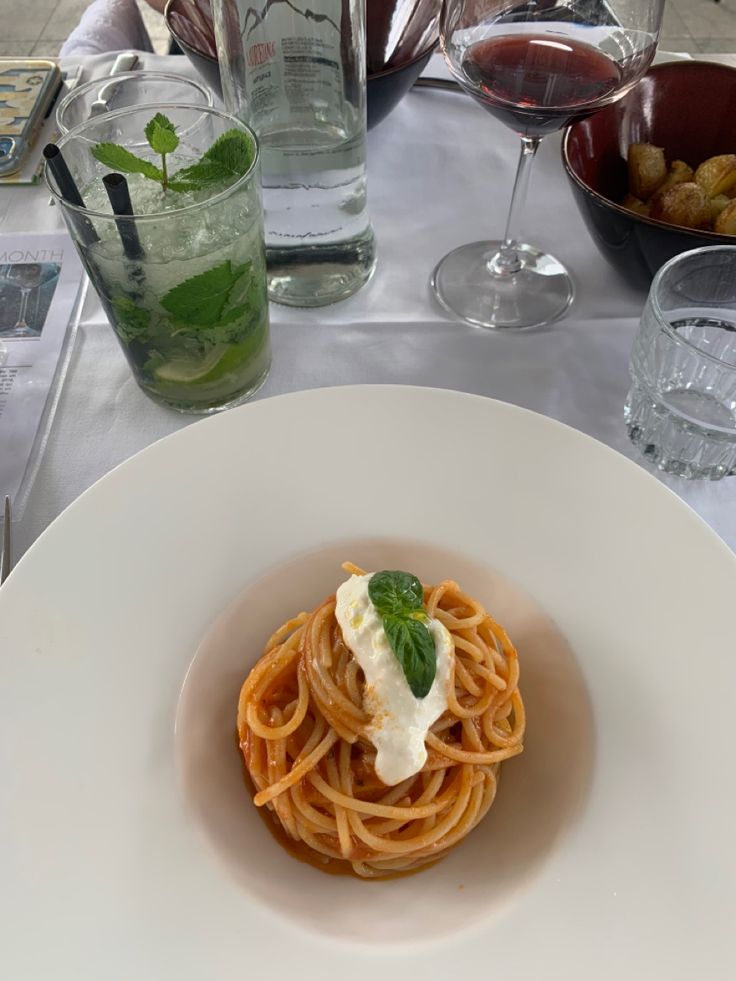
(126, 90)
(681, 407)
(537, 67)
(183, 278)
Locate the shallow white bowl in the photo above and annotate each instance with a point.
(129, 847)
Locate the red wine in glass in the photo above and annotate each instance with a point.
(537, 83)
(536, 65)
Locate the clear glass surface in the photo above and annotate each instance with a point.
(297, 75)
(183, 280)
(127, 90)
(536, 67)
(681, 408)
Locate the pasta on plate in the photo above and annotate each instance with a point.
(373, 727)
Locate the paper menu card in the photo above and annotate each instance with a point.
(40, 280)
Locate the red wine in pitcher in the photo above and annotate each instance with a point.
(538, 83)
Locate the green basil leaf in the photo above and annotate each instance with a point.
(395, 593)
(413, 645)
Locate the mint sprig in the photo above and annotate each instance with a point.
(162, 138)
(399, 600)
(229, 157)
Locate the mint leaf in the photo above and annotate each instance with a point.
(242, 289)
(414, 648)
(161, 134)
(117, 158)
(202, 174)
(229, 157)
(230, 323)
(233, 151)
(218, 307)
(395, 593)
(132, 322)
(202, 299)
(195, 178)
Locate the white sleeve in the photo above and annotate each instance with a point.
(108, 25)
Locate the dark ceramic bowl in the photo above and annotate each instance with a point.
(386, 89)
(686, 107)
(400, 38)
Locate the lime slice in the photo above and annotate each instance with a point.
(221, 360)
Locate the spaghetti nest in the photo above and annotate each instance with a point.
(304, 735)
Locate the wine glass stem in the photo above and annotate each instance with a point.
(24, 294)
(507, 261)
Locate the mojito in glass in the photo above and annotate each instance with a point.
(183, 278)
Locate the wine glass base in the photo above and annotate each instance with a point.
(538, 293)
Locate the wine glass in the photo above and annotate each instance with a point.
(26, 277)
(537, 67)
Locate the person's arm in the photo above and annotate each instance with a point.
(108, 25)
(157, 5)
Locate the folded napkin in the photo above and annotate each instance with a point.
(108, 25)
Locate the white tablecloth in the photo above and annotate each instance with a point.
(440, 173)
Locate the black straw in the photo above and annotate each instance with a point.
(62, 175)
(117, 190)
(69, 192)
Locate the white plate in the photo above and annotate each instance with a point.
(129, 849)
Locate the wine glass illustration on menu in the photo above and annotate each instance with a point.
(25, 277)
(536, 67)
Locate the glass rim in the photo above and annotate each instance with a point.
(157, 215)
(102, 82)
(664, 324)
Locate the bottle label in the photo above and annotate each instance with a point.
(297, 75)
(293, 64)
